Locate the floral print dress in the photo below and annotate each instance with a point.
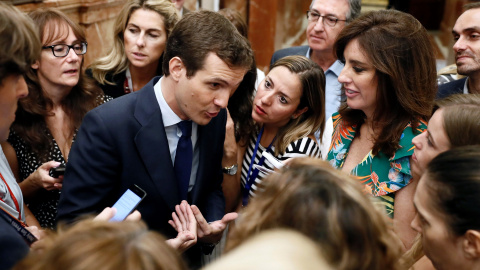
(380, 175)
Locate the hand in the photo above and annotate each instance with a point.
(38, 233)
(42, 179)
(211, 233)
(185, 224)
(230, 144)
(109, 212)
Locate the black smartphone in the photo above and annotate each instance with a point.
(57, 171)
(128, 202)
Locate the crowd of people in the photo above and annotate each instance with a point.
(344, 155)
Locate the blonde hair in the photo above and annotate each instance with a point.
(279, 249)
(312, 81)
(327, 206)
(116, 60)
(103, 245)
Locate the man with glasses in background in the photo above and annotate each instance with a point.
(326, 18)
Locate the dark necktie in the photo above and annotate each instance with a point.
(184, 158)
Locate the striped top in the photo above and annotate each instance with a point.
(302, 147)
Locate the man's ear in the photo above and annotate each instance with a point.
(297, 113)
(35, 65)
(471, 244)
(177, 68)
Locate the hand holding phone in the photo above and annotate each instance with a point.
(57, 171)
(128, 202)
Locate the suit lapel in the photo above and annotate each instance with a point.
(152, 145)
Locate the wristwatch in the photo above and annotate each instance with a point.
(232, 170)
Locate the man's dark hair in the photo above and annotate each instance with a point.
(202, 32)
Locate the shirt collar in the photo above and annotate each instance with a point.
(168, 116)
(336, 67)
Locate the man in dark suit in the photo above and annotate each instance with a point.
(326, 18)
(133, 139)
(466, 32)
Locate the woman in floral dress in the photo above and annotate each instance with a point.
(389, 84)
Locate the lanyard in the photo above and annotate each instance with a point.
(251, 176)
(19, 226)
(13, 198)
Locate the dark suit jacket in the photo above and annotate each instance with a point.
(299, 50)
(123, 142)
(450, 88)
(13, 248)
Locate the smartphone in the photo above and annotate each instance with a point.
(128, 202)
(57, 171)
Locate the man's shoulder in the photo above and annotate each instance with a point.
(14, 247)
(298, 50)
(450, 88)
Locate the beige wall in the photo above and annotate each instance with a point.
(96, 17)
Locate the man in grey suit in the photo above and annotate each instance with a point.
(326, 18)
(466, 33)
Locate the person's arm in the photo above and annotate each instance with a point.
(404, 213)
(212, 200)
(92, 171)
(39, 179)
(30, 219)
(231, 156)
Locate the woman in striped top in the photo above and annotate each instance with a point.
(288, 108)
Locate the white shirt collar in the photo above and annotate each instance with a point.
(169, 117)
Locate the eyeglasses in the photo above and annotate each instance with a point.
(62, 50)
(329, 20)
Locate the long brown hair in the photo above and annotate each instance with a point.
(312, 81)
(30, 122)
(399, 48)
(327, 206)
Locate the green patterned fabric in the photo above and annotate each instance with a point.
(380, 175)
